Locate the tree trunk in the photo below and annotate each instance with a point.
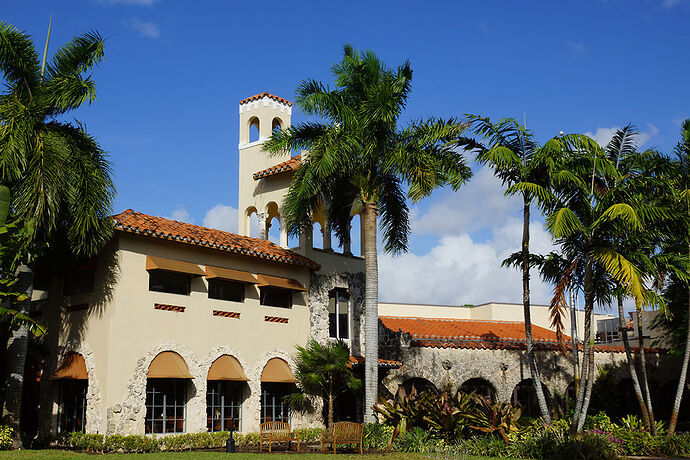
(573, 336)
(17, 347)
(330, 410)
(643, 372)
(371, 307)
(582, 400)
(631, 363)
(529, 343)
(681, 379)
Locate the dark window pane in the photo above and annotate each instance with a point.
(173, 283)
(167, 414)
(339, 314)
(344, 326)
(80, 282)
(275, 297)
(273, 407)
(72, 407)
(225, 290)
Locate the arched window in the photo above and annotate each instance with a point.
(166, 394)
(277, 124)
(224, 394)
(416, 385)
(481, 387)
(73, 380)
(277, 381)
(526, 397)
(254, 129)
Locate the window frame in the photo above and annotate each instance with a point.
(263, 289)
(166, 272)
(224, 389)
(268, 389)
(243, 287)
(179, 386)
(78, 404)
(338, 292)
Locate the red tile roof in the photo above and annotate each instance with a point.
(260, 96)
(477, 334)
(385, 363)
(288, 165)
(158, 227)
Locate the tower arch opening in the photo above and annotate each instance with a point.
(254, 129)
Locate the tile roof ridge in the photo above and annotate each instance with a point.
(264, 94)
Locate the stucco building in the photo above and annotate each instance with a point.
(180, 328)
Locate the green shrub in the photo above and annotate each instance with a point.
(416, 440)
(377, 436)
(6, 438)
(486, 446)
(310, 434)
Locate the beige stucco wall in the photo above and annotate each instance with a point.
(121, 333)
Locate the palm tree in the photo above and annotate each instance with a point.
(58, 173)
(683, 166)
(359, 159)
(587, 223)
(324, 371)
(526, 170)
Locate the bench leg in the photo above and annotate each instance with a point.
(360, 448)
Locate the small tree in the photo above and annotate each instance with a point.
(323, 371)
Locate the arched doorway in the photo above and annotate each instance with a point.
(480, 387)
(525, 395)
(73, 381)
(415, 385)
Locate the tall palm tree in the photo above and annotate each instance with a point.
(683, 168)
(526, 170)
(59, 175)
(325, 371)
(587, 223)
(359, 158)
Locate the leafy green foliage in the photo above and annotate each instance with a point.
(377, 436)
(6, 437)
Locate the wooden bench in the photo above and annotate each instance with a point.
(343, 433)
(276, 432)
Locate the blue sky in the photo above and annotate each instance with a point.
(175, 71)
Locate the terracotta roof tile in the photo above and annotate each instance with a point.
(477, 334)
(289, 165)
(260, 96)
(384, 363)
(158, 227)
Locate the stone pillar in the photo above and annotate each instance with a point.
(361, 237)
(346, 244)
(306, 239)
(251, 407)
(263, 228)
(326, 232)
(283, 232)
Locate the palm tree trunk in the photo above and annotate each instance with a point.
(643, 372)
(17, 347)
(631, 362)
(681, 381)
(582, 400)
(330, 410)
(529, 342)
(371, 311)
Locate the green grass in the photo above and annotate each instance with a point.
(66, 455)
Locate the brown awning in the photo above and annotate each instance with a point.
(168, 365)
(277, 370)
(276, 281)
(227, 368)
(230, 274)
(172, 265)
(72, 367)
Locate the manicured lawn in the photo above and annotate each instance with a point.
(65, 455)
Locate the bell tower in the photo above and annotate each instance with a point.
(259, 116)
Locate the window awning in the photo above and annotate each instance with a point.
(172, 265)
(277, 370)
(72, 367)
(227, 368)
(168, 365)
(283, 283)
(230, 274)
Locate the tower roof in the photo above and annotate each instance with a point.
(260, 96)
(288, 165)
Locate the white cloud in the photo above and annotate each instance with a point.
(459, 270)
(222, 217)
(604, 135)
(145, 29)
(576, 48)
(474, 207)
(462, 267)
(181, 214)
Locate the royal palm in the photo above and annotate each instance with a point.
(58, 174)
(361, 161)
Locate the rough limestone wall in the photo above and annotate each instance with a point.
(319, 287)
(129, 417)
